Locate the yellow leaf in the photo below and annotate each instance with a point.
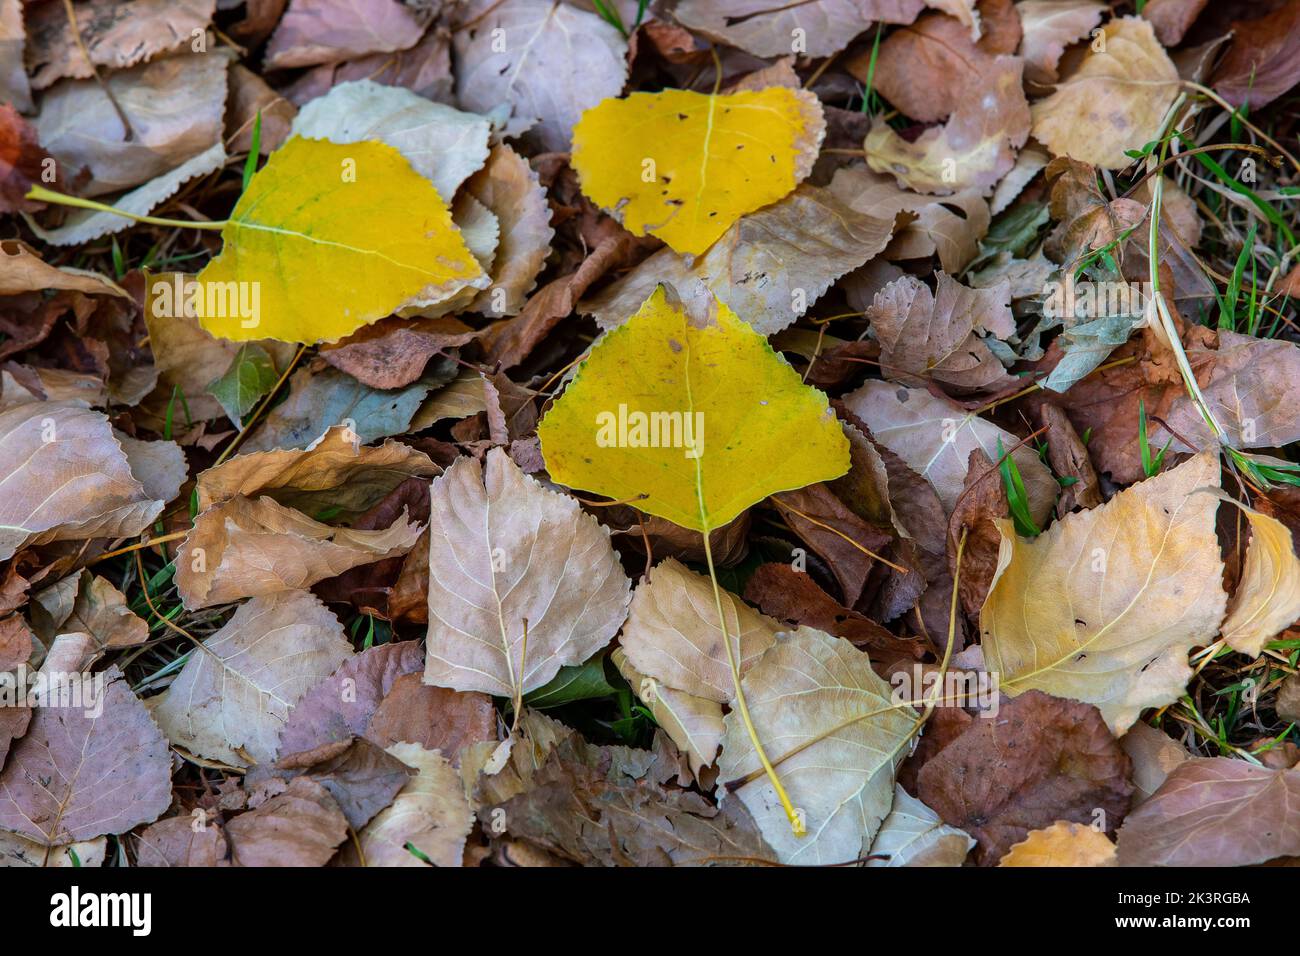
(1062, 844)
(690, 407)
(684, 166)
(1105, 604)
(1267, 600)
(330, 237)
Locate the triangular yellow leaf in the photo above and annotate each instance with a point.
(1104, 605)
(684, 166)
(330, 237)
(689, 407)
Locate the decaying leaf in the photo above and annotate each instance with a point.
(768, 268)
(322, 31)
(1267, 598)
(766, 29)
(1038, 760)
(300, 827)
(1215, 812)
(940, 335)
(1114, 102)
(693, 723)
(66, 478)
(936, 439)
(1049, 27)
(521, 581)
(92, 762)
(1062, 844)
(697, 162)
(235, 692)
(973, 150)
(247, 547)
(673, 636)
(546, 62)
(835, 735)
(914, 835)
(430, 814)
(1105, 604)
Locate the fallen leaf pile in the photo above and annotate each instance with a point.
(685, 433)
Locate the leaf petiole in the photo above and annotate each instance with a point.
(41, 194)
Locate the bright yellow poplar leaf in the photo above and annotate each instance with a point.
(688, 406)
(327, 238)
(684, 166)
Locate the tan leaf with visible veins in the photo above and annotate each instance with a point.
(1049, 27)
(509, 187)
(82, 772)
(672, 632)
(65, 477)
(1104, 606)
(235, 692)
(431, 814)
(805, 241)
(337, 471)
(1267, 599)
(973, 150)
(940, 335)
(914, 835)
(693, 723)
(830, 727)
(1114, 102)
(247, 547)
(300, 827)
(1062, 844)
(505, 554)
(935, 439)
(766, 29)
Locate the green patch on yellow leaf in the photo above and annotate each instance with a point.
(684, 166)
(330, 237)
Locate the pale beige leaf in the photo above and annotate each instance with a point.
(183, 97)
(16, 851)
(1105, 604)
(511, 190)
(14, 87)
(460, 398)
(1049, 26)
(914, 835)
(817, 695)
(936, 438)
(693, 723)
(22, 270)
(246, 547)
(440, 142)
(769, 267)
(89, 604)
(1267, 599)
(1062, 844)
(1154, 754)
(545, 62)
(430, 813)
(65, 477)
(1115, 101)
(672, 633)
(938, 229)
(505, 554)
(235, 692)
